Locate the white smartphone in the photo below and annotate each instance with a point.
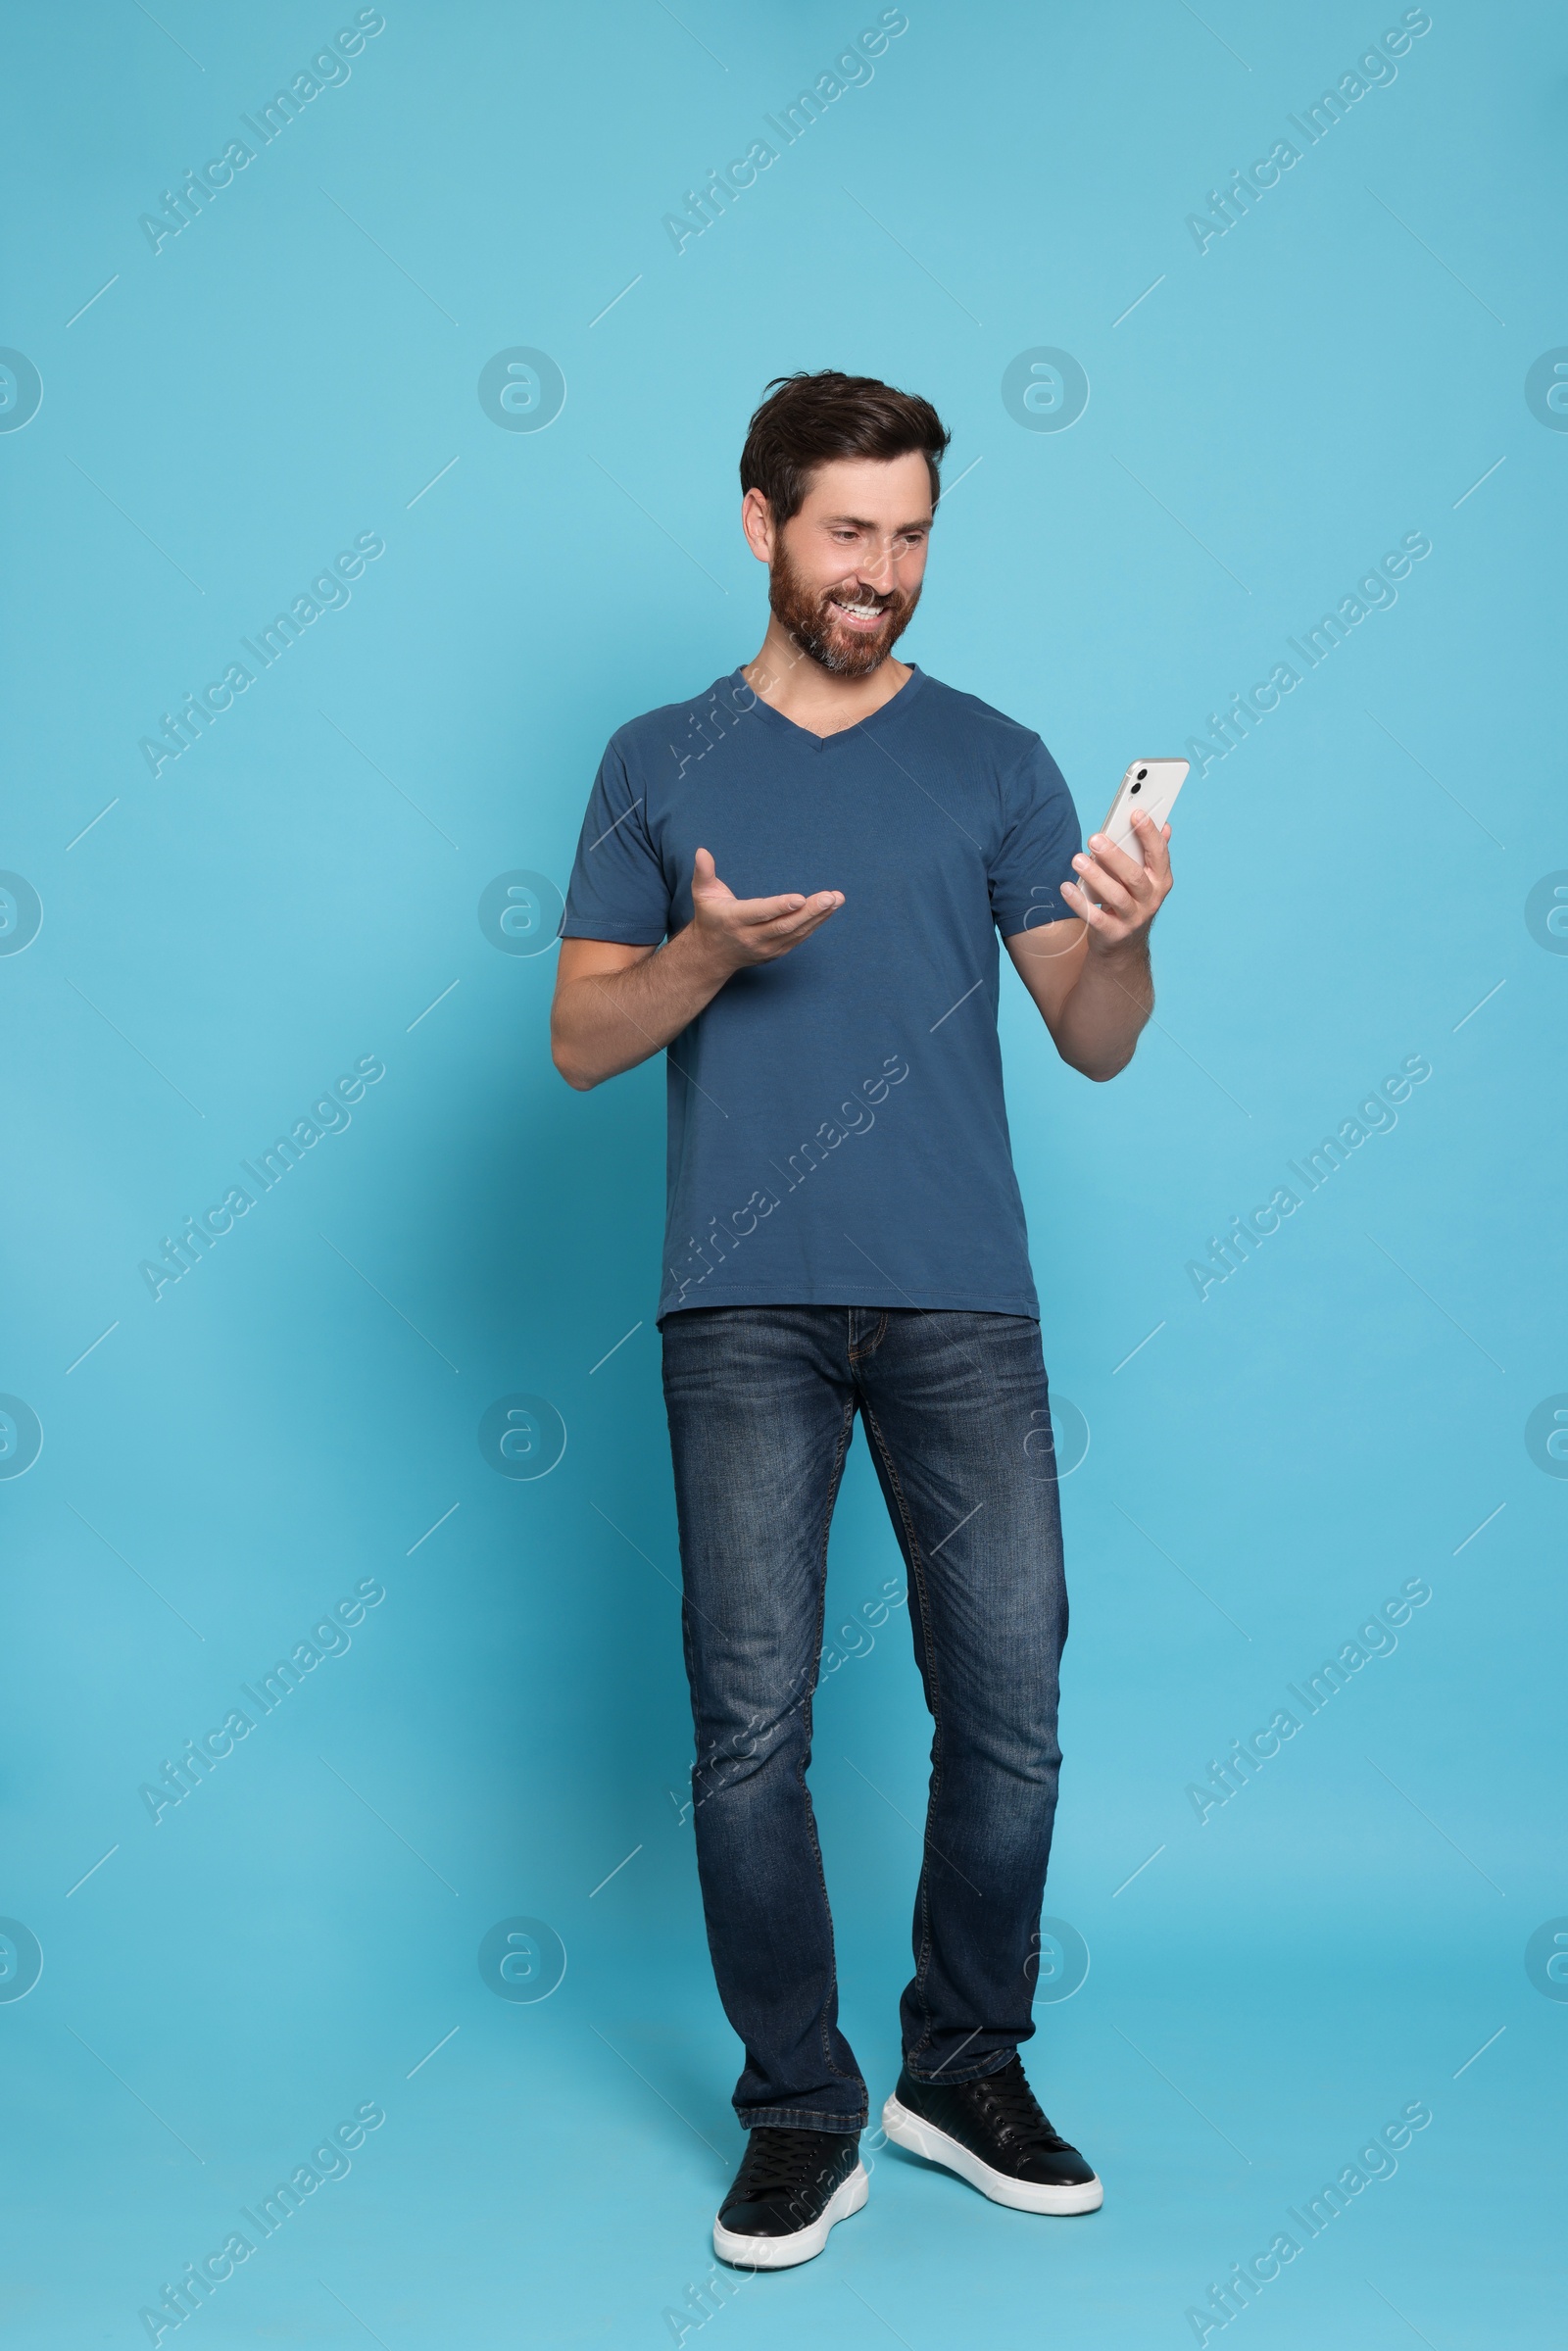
(1150, 785)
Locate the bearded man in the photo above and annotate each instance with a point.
(794, 886)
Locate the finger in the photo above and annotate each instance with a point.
(792, 927)
(763, 910)
(1110, 893)
(807, 919)
(755, 910)
(1130, 871)
(1156, 855)
(1117, 923)
(1085, 906)
(705, 877)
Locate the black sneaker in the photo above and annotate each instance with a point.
(790, 2188)
(993, 2133)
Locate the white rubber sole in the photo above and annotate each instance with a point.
(783, 2252)
(919, 2137)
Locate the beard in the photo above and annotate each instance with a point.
(806, 613)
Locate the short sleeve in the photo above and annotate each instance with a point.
(618, 889)
(1040, 838)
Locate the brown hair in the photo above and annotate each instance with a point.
(808, 420)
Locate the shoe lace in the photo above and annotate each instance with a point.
(1012, 2109)
(780, 2164)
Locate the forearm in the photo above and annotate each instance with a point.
(1103, 1013)
(601, 1024)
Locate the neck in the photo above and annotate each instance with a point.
(802, 690)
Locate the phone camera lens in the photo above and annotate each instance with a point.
(1142, 772)
(1137, 787)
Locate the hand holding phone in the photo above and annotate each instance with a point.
(1120, 907)
(1148, 785)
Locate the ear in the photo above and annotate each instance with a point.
(756, 521)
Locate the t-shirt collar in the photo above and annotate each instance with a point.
(872, 722)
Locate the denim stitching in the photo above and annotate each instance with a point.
(863, 1346)
(844, 1434)
(797, 2117)
(917, 1566)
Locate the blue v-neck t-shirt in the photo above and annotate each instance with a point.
(837, 1132)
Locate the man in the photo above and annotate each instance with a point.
(793, 886)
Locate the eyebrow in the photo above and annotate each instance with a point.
(860, 522)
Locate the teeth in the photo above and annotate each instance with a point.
(861, 612)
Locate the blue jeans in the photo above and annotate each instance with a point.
(762, 1403)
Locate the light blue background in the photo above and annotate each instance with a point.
(301, 885)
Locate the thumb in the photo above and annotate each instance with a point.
(705, 877)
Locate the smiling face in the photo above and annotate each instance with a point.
(845, 573)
